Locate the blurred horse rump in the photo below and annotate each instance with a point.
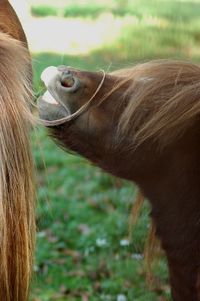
(17, 222)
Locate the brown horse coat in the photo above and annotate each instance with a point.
(142, 125)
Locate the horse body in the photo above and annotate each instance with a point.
(143, 125)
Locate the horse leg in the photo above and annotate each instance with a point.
(176, 218)
(181, 248)
(183, 279)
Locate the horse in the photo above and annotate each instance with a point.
(17, 221)
(141, 124)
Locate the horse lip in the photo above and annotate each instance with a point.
(56, 95)
(48, 97)
(50, 111)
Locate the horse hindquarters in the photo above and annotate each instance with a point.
(17, 222)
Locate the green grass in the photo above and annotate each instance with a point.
(44, 11)
(71, 11)
(171, 10)
(79, 206)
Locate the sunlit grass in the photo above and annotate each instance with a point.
(175, 11)
(122, 38)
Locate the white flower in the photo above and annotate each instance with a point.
(117, 257)
(89, 250)
(124, 242)
(137, 256)
(104, 297)
(35, 268)
(121, 297)
(41, 234)
(101, 242)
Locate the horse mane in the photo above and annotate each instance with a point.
(163, 100)
(17, 222)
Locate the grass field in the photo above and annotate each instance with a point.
(172, 10)
(84, 250)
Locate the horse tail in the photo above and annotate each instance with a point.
(17, 221)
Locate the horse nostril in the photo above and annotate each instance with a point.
(67, 80)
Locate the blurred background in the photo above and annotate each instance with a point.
(85, 249)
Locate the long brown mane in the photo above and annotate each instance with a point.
(17, 225)
(163, 99)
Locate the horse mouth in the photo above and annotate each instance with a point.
(47, 97)
(59, 100)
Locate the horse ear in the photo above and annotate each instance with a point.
(9, 22)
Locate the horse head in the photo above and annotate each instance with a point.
(83, 109)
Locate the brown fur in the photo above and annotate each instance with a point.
(144, 125)
(17, 223)
(9, 22)
(170, 92)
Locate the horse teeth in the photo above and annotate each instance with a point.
(49, 98)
